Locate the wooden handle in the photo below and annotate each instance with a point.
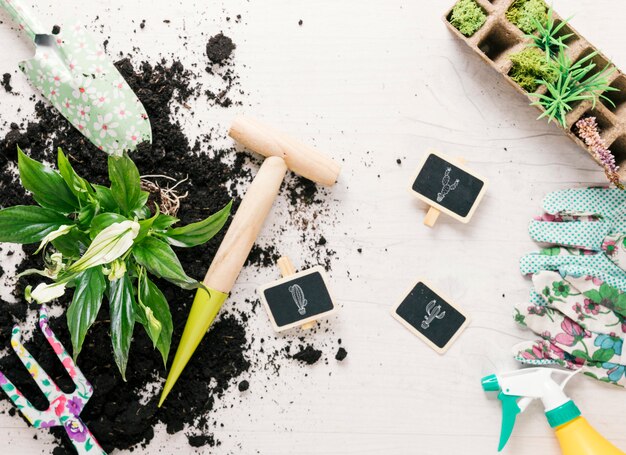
(431, 217)
(285, 266)
(300, 158)
(247, 223)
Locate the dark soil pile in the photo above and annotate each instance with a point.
(116, 414)
(8, 147)
(119, 414)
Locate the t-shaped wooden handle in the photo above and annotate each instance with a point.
(300, 158)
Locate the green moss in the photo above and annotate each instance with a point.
(524, 13)
(467, 17)
(529, 65)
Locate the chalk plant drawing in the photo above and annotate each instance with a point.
(433, 311)
(298, 297)
(446, 185)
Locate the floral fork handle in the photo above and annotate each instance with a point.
(64, 409)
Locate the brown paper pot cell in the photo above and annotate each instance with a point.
(539, 53)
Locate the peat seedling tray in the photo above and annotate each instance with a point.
(498, 38)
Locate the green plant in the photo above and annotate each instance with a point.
(467, 16)
(529, 66)
(106, 241)
(574, 83)
(526, 14)
(548, 37)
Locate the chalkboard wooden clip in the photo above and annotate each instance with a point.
(298, 299)
(447, 186)
(430, 316)
(433, 214)
(287, 269)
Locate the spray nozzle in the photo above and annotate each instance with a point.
(490, 383)
(519, 388)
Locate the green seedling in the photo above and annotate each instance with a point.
(574, 84)
(548, 37)
(104, 242)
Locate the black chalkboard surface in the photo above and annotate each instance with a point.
(297, 299)
(431, 317)
(448, 186)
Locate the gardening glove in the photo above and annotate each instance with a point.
(581, 322)
(587, 228)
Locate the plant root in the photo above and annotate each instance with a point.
(167, 198)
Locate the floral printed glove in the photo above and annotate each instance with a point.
(587, 230)
(581, 321)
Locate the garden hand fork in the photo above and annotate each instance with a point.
(64, 408)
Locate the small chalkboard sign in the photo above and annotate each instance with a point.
(431, 317)
(297, 299)
(447, 186)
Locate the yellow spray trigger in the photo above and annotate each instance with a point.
(205, 307)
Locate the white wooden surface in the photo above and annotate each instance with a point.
(370, 82)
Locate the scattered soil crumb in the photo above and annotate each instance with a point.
(308, 355)
(219, 48)
(244, 385)
(6, 82)
(201, 440)
(341, 354)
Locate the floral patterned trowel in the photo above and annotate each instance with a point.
(73, 72)
(64, 409)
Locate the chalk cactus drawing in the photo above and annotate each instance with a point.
(64, 409)
(446, 185)
(298, 297)
(433, 311)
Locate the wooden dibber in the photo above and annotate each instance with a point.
(433, 214)
(246, 225)
(282, 152)
(287, 269)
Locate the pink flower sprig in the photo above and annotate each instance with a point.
(588, 131)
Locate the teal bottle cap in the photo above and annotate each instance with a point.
(563, 414)
(490, 383)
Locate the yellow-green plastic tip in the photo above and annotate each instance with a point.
(205, 307)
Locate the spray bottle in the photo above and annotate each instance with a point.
(519, 388)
